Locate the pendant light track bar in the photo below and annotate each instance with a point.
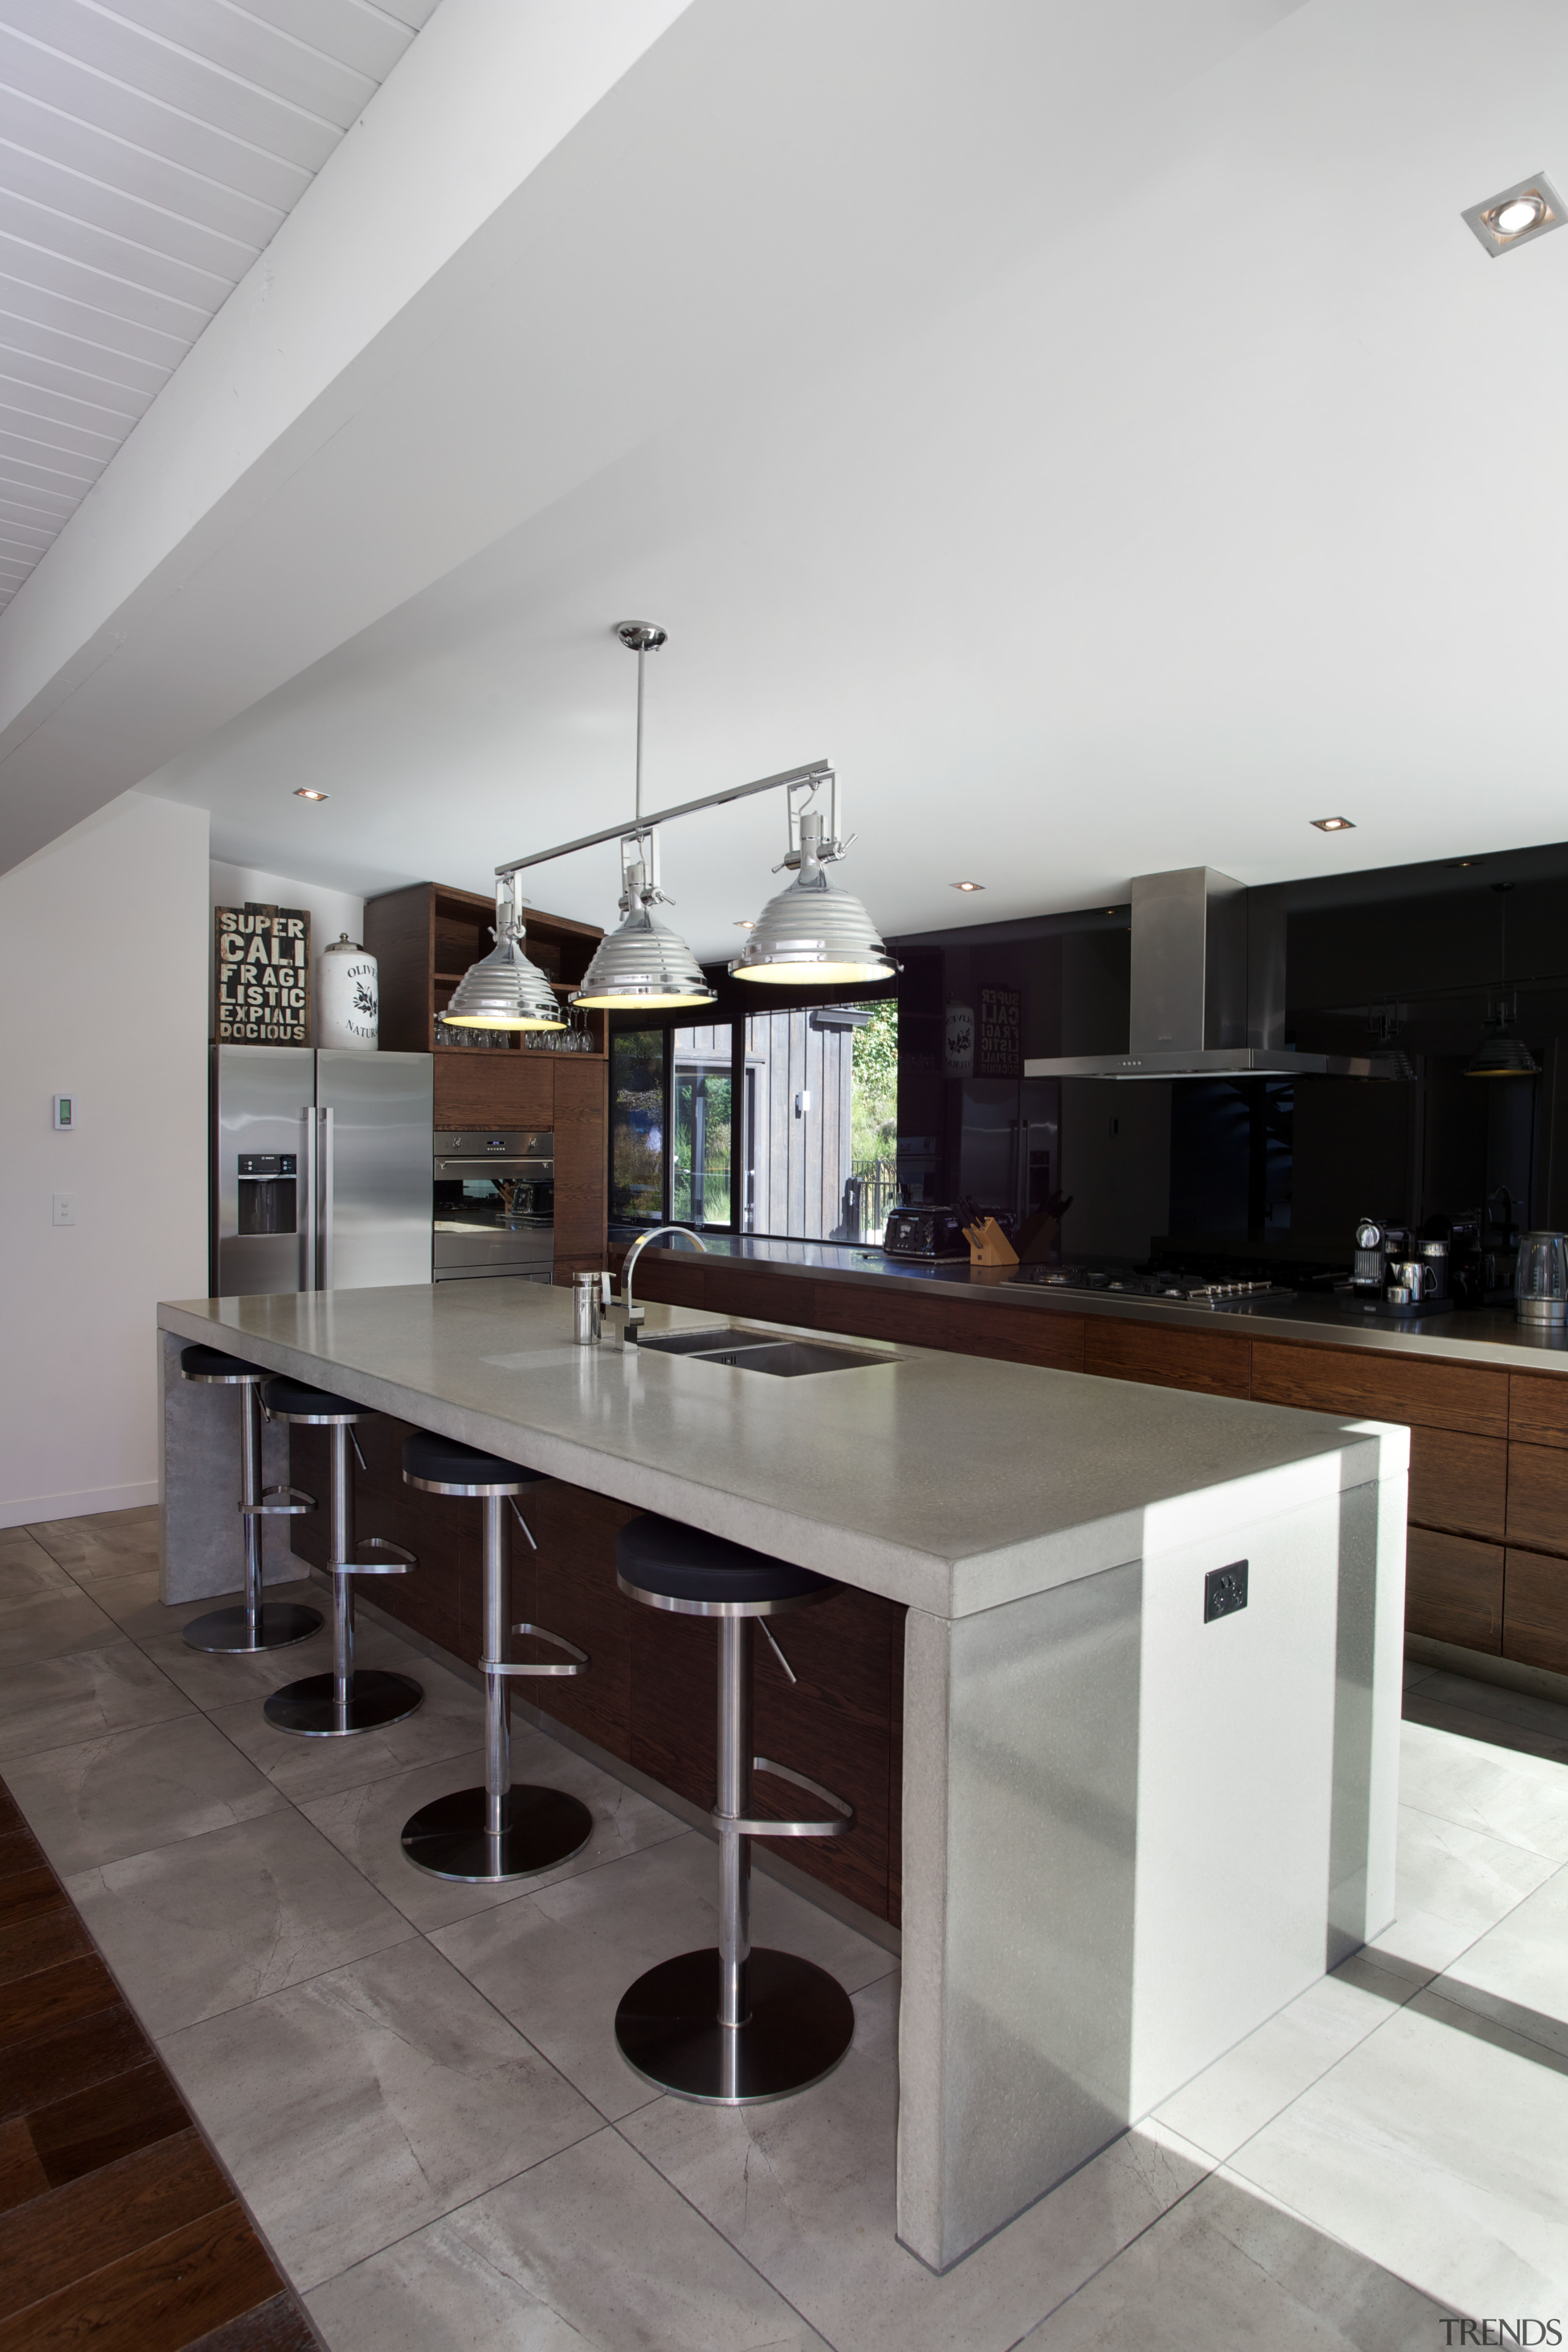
(819, 772)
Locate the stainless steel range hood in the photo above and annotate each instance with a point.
(1208, 990)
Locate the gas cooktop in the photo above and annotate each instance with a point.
(1170, 1289)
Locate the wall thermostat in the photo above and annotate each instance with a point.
(65, 1111)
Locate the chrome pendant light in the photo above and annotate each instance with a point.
(813, 934)
(643, 965)
(503, 990)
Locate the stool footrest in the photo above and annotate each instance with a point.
(504, 1666)
(837, 1828)
(399, 1563)
(268, 1508)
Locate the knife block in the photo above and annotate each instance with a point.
(989, 1245)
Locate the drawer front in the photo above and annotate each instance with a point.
(1383, 1388)
(1459, 1482)
(1214, 1363)
(1538, 1497)
(1536, 1610)
(1454, 1590)
(1538, 1409)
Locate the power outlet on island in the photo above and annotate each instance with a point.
(1225, 1591)
(64, 1208)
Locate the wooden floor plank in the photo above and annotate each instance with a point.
(110, 2119)
(163, 2298)
(275, 2326)
(19, 1850)
(42, 1942)
(69, 2233)
(26, 1893)
(31, 2005)
(70, 2058)
(21, 2174)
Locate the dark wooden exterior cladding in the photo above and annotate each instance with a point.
(650, 1697)
(410, 931)
(1489, 1456)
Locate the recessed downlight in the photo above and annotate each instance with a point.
(304, 792)
(968, 886)
(1332, 824)
(745, 923)
(1516, 215)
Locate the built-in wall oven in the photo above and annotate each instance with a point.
(495, 1203)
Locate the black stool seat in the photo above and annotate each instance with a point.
(707, 1572)
(429, 1460)
(200, 1363)
(292, 1399)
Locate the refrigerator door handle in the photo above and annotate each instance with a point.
(324, 1256)
(307, 1221)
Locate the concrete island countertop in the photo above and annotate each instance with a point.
(1473, 1335)
(952, 1484)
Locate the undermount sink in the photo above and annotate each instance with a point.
(750, 1352)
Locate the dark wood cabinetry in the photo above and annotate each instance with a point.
(1488, 1449)
(424, 938)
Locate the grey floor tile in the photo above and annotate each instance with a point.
(1438, 2148)
(82, 1696)
(108, 1543)
(133, 1601)
(207, 1923)
(1227, 2271)
(557, 1962)
(1248, 2087)
(366, 1823)
(104, 1799)
(448, 1723)
(805, 2189)
(26, 1571)
(362, 2106)
(1517, 1971)
(591, 2252)
(215, 1678)
(1522, 1799)
(49, 1626)
(1452, 1885)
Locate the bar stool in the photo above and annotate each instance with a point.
(253, 1623)
(734, 2026)
(329, 1707)
(498, 1831)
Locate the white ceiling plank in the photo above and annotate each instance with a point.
(71, 196)
(21, 389)
(98, 291)
(71, 478)
(129, 114)
(414, 14)
(126, 169)
(107, 44)
(85, 246)
(56, 432)
(242, 44)
(42, 339)
(32, 536)
(366, 38)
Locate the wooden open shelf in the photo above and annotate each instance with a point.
(425, 937)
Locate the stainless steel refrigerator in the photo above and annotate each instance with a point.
(320, 1175)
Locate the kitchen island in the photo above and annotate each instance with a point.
(1132, 1827)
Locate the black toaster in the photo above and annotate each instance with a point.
(924, 1232)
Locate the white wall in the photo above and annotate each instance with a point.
(332, 913)
(103, 949)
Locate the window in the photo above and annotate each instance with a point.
(782, 1124)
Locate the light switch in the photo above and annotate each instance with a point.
(65, 1208)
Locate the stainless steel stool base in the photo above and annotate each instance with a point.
(375, 1697)
(542, 1827)
(801, 2024)
(278, 1622)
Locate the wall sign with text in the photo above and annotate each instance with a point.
(262, 975)
(1001, 1033)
